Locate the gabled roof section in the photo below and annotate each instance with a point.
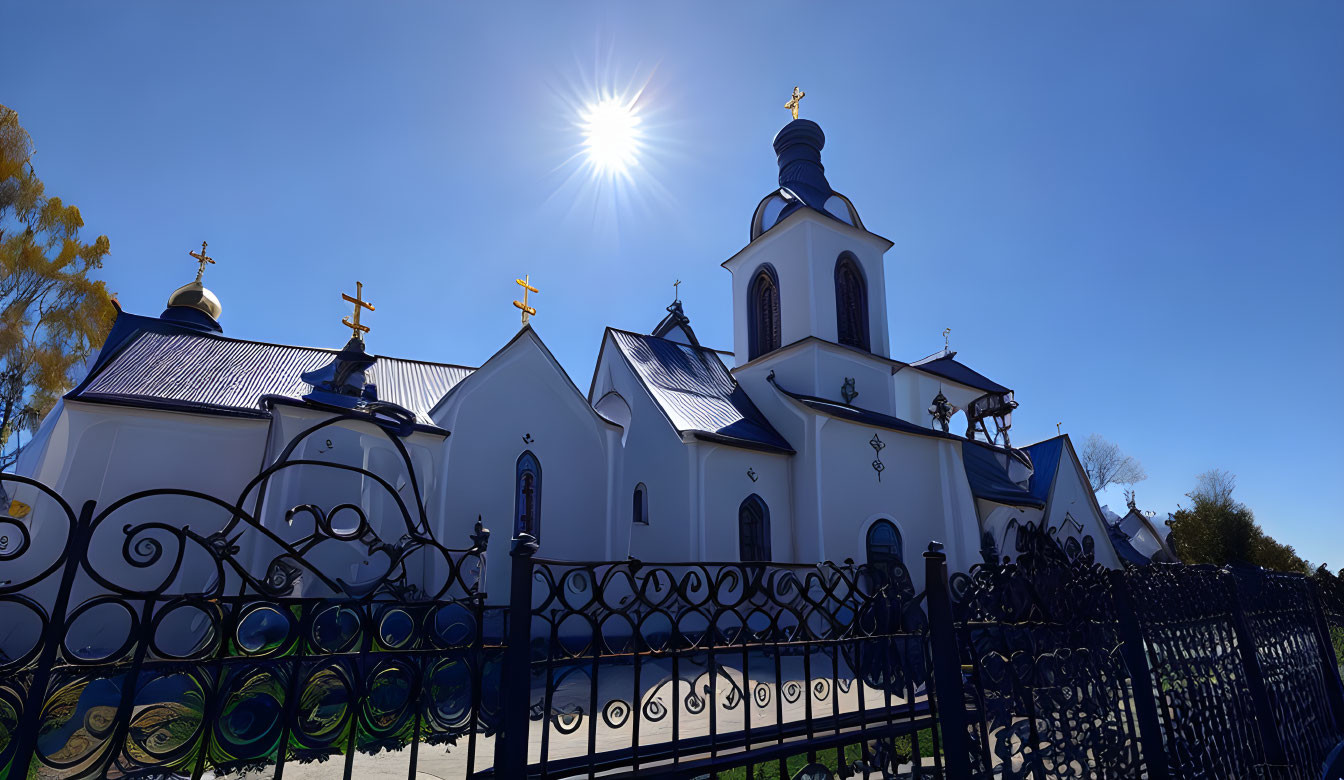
(696, 392)
(148, 362)
(989, 478)
(1045, 457)
(945, 365)
(526, 335)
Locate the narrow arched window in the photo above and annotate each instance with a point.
(527, 501)
(851, 303)
(753, 529)
(883, 546)
(641, 510)
(763, 313)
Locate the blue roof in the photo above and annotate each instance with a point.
(154, 363)
(989, 479)
(1122, 546)
(1045, 462)
(948, 368)
(694, 389)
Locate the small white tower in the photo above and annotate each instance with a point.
(809, 291)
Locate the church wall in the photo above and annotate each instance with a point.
(909, 493)
(521, 394)
(655, 455)
(723, 471)
(105, 452)
(803, 250)
(1073, 496)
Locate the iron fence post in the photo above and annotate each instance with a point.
(1150, 738)
(1330, 669)
(947, 682)
(511, 745)
(77, 547)
(1255, 679)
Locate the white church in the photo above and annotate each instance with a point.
(808, 441)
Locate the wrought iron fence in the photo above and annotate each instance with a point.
(690, 669)
(201, 636)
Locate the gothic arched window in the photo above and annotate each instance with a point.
(527, 501)
(641, 511)
(763, 313)
(883, 546)
(851, 303)
(753, 529)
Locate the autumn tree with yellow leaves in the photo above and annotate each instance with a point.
(52, 314)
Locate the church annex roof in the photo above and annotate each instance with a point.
(694, 389)
(945, 365)
(989, 479)
(152, 363)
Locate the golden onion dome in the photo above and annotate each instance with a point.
(194, 295)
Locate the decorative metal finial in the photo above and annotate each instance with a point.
(201, 259)
(676, 287)
(526, 284)
(357, 330)
(792, 105)
(1057, 431)
(946, 342)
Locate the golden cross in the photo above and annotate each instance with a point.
(202, 260)
(357, 330)
(676, 286)
(792, 105)
(526, 284)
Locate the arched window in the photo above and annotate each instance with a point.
(763, 313)
(851, 303)
(883, 546)
(753, 529)
(527, 501)
(641, 512)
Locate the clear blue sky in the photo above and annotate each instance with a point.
(1132, 213)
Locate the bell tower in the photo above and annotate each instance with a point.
(811, 273)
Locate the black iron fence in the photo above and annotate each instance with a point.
(203, 638)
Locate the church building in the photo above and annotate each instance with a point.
(809, 441)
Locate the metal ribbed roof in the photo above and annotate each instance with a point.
(168, 367)
(696, 392)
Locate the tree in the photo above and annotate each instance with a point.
(1106, 465)
(1218, 529)
(52, 314)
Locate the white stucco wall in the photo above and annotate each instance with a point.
(803, 250)
(521, 392)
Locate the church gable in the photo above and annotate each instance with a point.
(695, 392)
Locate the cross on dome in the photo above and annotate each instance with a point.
(201, 259)
(526, 284)
(357, 330)
(792, 105)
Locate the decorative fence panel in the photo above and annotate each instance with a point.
(690, 669)
(172, 634)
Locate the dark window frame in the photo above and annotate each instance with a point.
(528, 464)
(763, 336)
(881, 565)
(753, 530)
(851, 303)
(640, 511)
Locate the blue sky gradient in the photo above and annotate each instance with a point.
(1133, 214)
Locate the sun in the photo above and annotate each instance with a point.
(611, 135)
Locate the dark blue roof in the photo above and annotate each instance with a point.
(151, 362)
(694, 389)
(948, 368)
(989, 479)
(1122, 546)
(1045, 462)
